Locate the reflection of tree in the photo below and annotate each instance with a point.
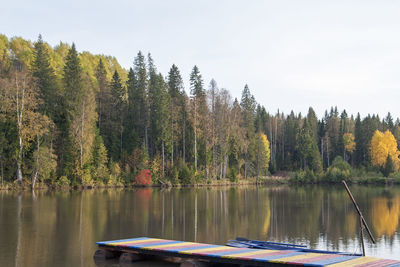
(350, 224)
(385, 215)
(267, 217)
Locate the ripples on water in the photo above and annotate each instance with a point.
(61, 228)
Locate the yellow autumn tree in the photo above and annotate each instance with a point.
(382, 146)
(263, 153)
(349, 144)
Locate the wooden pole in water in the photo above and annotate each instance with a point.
(362, 236)
(359, 211)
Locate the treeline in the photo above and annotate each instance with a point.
(70, 118)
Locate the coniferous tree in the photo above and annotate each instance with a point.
(199, 108)
(103, 94)
(175, 90)
(140, 100)
(117, 117)
(131, 136)
(248, 105)
(73, 95)
(358, 138)
(45, 79)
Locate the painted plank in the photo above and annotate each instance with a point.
(246, 254)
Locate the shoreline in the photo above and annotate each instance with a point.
(270, 180)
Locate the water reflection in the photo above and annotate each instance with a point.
(385, 214)
(60, 228)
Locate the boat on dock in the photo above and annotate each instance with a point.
(201, 254)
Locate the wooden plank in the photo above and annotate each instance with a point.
(200, 252)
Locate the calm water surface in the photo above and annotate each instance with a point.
(61, 228)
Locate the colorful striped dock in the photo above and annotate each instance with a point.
(240, 256)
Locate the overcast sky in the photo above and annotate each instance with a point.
(292, 54)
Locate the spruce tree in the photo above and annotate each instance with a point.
(103, 94)
(199, 108)
(46, 79)
(248, 105)
(358, 138)
(131, 139)
(73, 93)
(73, 89)
(389, 166)
(140, 100)
(175, 91)
(117, 117)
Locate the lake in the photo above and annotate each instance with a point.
(61, 228)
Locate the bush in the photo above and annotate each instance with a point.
(233, 177)
(338, 171)
(63, 181)
(307, 176)
(185, 175)
(143, 178)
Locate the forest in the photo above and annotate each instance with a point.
(78, 119)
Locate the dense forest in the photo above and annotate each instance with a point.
(69, 118)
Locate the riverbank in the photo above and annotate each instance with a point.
(225, 182)
(288, 178)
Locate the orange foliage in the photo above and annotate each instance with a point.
(143, 178)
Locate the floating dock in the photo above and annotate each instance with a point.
(144, 247)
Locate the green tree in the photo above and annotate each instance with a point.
(117, 116)
(248, 105)
(176, 109)
(199, 108)
(45, 79)
(100, 159)
(103, 94)
(389, 166)
(308, 148)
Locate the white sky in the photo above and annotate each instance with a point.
(292, 54)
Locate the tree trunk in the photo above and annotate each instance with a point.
(172, 141)
(121, 130)
(258, 162)
(327, 152)
(100, 111)
(245, 167)
(146, 141)
(163, 159)
(195, 133)
(225, 165)
(2, 170)
(20, 111)
(37, 163)
(19, 162)
(183, 139)
(195, 149)
(82, 134)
